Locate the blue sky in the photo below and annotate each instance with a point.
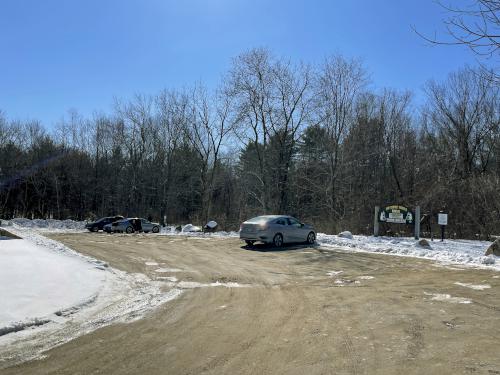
(57, 55)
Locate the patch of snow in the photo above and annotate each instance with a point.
(172, 279)
(193, 284)
(190, 228)
(447, 298)
(333, 273)
(366, 277)
(170, 231)
(490, 259)
(164, 270)
(151, 264)
(474, 286)
(343, 282)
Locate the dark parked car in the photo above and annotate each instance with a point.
(131, 225)
(99, 224)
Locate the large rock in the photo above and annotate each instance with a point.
(346, 234)
(424, 243)
(211, 226)
(494, 248)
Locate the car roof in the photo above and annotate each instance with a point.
(271, 217)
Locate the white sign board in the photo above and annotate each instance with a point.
(443, 219)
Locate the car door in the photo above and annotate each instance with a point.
(146, 225)
(281, 226)
(295, 230)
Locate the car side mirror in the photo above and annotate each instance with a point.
(301, 225)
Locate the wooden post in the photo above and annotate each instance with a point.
(417, 222)
(375, 222)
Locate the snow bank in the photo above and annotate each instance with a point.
(190, 228)
(36, 282)
(46, 224)
(51, 294)
(170, 231)
(466, 252)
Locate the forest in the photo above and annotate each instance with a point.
(317, 141)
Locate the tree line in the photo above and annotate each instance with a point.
(275, 136)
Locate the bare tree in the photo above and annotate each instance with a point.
(209, 126)
(249, 83)
(477, 26)
(465, 112)
(339, 82)
(393, 115)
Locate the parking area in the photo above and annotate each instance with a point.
(300, 309)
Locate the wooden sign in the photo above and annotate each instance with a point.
(396, 214)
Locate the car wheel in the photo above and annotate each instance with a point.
(278, 240)
(249, 243)
(129, 230)
(311, 237)
(156, 229)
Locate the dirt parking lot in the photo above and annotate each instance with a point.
(301, 310)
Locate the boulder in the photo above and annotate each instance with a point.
(346, 234)
(494, 248)
(424, 243)
(211, 226)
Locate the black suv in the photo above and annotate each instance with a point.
(99, 224)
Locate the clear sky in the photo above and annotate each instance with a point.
(57, 55)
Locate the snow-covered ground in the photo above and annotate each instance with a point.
(51, 294)
(36, 282)
(462, 252)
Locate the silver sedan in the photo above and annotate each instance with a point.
(132, 225)
(276, 229)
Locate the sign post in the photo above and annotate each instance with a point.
(443, 222)
(417, 222)
(375, 222)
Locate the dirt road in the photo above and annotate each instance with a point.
(299, 311)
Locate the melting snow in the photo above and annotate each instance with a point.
(334, 273)
(475, 287)
(447, 298)
(164, 270)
